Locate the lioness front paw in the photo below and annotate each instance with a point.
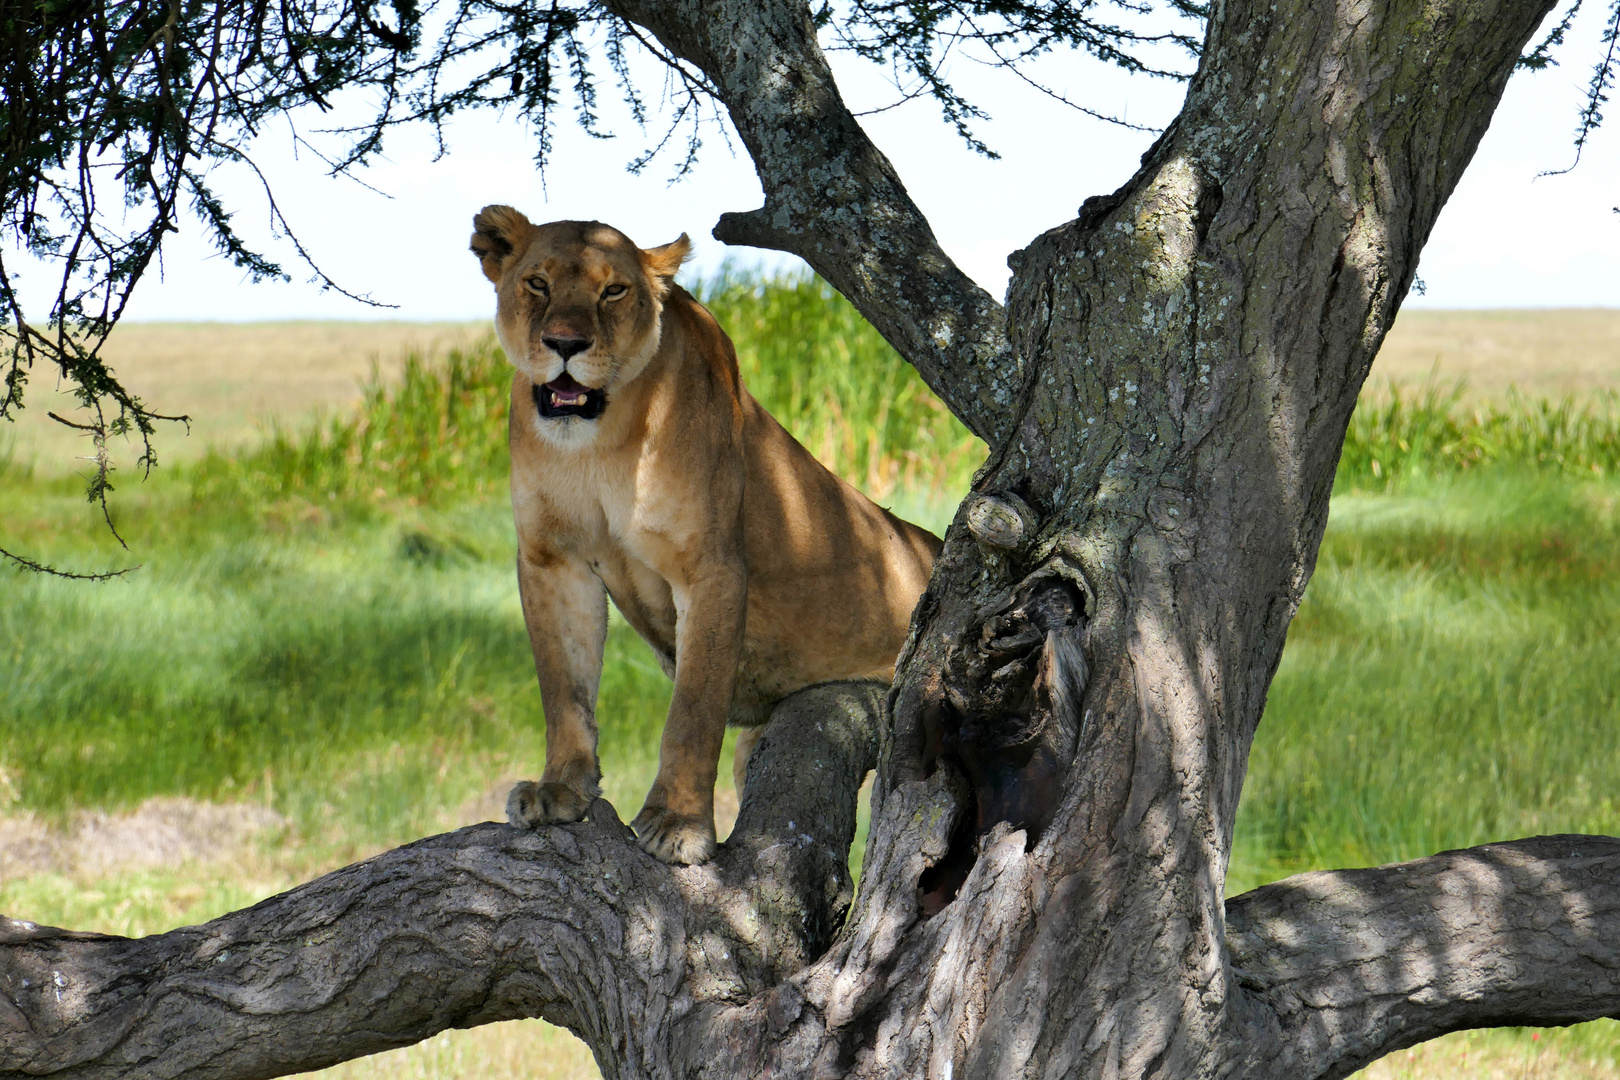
(532, 804)
(674, 838)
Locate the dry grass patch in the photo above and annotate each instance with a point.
(515, 1050)
(1545, 353)
(231, 378)
(160, 832)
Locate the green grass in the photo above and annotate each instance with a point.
(435, 435)
(350, 665)
(134, 903)
(1450, 678)
(1405, 432)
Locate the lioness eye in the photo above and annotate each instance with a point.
(538, 287)
(613, 292)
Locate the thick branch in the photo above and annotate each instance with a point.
(1355, 964)
(573, 923)
(833, 199)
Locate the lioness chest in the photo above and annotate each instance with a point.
(585, 505)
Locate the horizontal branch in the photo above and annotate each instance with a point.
(572, 923)
(1356, 964)
(834, 199)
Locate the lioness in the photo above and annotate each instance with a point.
(643, 470)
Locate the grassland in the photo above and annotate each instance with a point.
(1545, 353)
(232, 379)
(323, 640)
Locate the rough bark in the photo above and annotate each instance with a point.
(1358, 963)
(1064, 748)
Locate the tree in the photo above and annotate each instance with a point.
(1060, 759)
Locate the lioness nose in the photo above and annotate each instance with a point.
(566, 347)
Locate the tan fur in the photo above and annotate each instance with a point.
(749, 568)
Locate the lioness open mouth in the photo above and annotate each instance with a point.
(567, 396)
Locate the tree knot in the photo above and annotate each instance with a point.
(1007, 713)
(1001, 521)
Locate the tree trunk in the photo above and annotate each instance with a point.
(1062, 754)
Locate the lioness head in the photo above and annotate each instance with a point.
(577, 307)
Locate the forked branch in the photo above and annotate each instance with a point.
(833, 199)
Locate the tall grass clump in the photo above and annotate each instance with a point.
(1427, 430)
(434, 435)
(810, 358)
(437, 434)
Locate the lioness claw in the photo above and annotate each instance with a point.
(532, 804)
(674, 838)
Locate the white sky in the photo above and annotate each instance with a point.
(1507, 239)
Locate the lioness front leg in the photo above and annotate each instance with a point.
(565, 609)
(677, 822)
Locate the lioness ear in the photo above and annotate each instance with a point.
(498, 231)
(663, 262)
